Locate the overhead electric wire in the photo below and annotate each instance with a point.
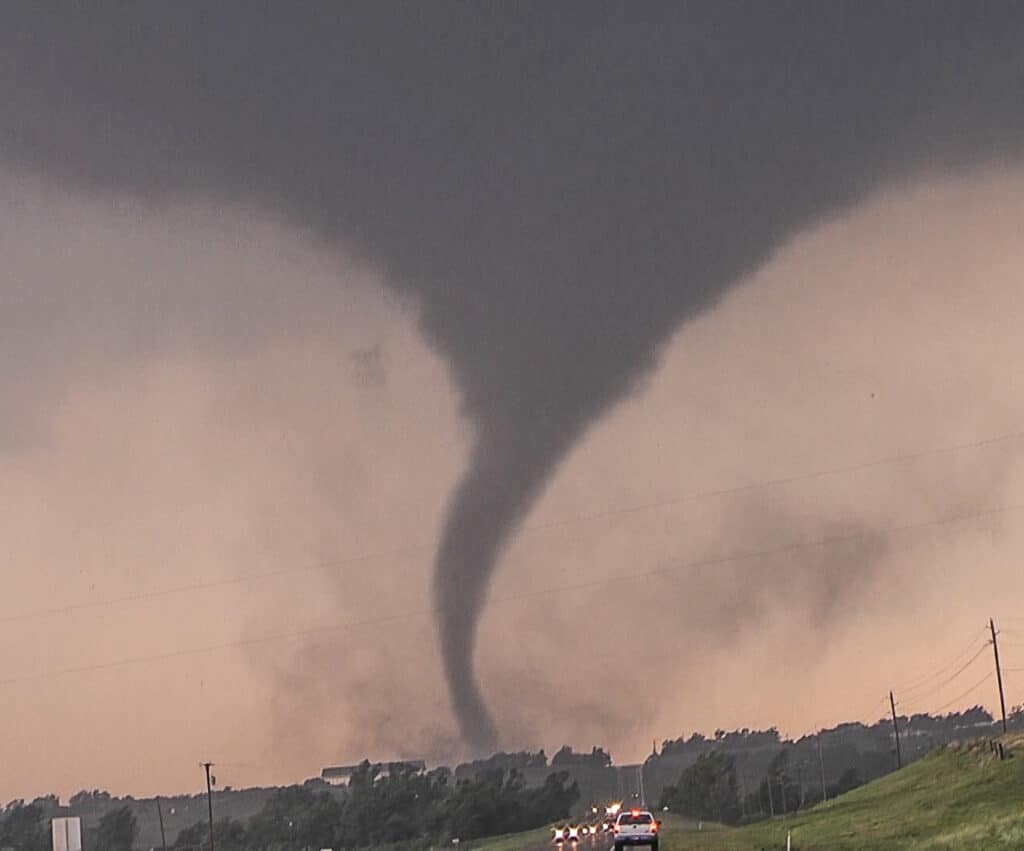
(535, 527)
(198, 586)
(961, 696)
(919, 699)
(540, 592)
(912, 694)
(881, 702)
(920, 682)
(787, 480)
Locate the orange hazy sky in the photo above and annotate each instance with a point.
(229, 451)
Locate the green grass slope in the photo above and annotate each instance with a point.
(959, 797)
(514, 842)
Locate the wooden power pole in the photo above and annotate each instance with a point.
(999, 672)
(209, 799)
(896, 730)
(821, 765)
(160, 815)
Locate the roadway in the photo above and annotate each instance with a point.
(597, 843)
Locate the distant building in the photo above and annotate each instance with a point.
(341, 775)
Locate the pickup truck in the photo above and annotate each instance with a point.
(636, 827)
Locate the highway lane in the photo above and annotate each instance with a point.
(599, 843)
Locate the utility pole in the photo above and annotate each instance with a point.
(821, 765)
(743, 794)
(896, 730)
(209, 799)
(160, 815)
(771, 801)
(643, 796)
(999, 672)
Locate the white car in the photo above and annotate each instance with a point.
(636, 827)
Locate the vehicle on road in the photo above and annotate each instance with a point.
(566, 833)
(636, 827)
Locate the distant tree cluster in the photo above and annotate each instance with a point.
(523, 761)
(22, 827)
(25, 827)
(519, 761)
(707, 790)
(116, 831)
(402, 807)
(566, 757)
(731, 776)
(736, 739)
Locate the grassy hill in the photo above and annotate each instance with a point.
(960, 796)
(516, 842)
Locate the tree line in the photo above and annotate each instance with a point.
(401, 807)
(730, 776)
(746, 775)
(26, 827)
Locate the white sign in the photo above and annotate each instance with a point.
(67, 834)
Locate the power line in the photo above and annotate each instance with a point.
(871, 711)
(526, 595)
(960, 697)
(786, 480)
(535, 527)
(920, 682)
(917, 701)
(198, 586)
(210, 648)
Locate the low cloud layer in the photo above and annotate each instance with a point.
(558, 191)
(221, 431)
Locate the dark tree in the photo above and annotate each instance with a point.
(22, 827)
(566, 757)
(117, 830)
(296, 817)
(706, 790)
(228, 834)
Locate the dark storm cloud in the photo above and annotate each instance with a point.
(559, 185)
